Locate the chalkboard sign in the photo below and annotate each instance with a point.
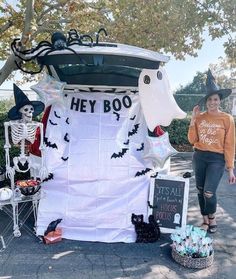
(168, 201)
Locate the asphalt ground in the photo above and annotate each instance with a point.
(27, 257)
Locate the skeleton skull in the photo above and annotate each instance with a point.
(27, 113)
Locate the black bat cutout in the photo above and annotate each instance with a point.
(126, 142)
(55, 113)
(66, 138)
(49, 144)
(52, 122)
(120, 154)
(117, 115)
(52, 226)
(154, 175)
(50, 176)
(143, 172)
(134, 91)
(64, 159)
(151, 206)
(134, 130)
(132, 118)
(141, 148)
(67, 120)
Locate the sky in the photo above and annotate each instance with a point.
(182, 72)
(179, 72)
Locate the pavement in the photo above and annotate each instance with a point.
(27, 257)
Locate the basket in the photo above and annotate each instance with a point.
(29, 190)
(190, 262)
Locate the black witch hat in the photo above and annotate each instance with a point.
(212, 88)
(21, 100)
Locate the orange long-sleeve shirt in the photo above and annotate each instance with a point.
(214, 133)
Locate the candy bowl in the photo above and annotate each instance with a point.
(28, 187)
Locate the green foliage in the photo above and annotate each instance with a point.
(197, 86)
(5, 105)
(178, 131)
(187, 102)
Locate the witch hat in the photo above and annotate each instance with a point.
(21, 100)
(212, 88)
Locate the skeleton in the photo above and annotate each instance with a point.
(21, 131)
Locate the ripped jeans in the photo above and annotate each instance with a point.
(209, 168)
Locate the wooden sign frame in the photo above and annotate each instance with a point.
(172, 193)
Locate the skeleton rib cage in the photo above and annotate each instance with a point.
(21, 131)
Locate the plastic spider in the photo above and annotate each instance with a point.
(58, 42)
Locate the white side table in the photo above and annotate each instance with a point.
(18, 216)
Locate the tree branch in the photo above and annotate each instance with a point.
(50, 8)
(10, 65)
(217, 18)
(8, 68)
(6, 26)
(29, 13)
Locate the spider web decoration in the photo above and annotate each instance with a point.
(49, 90)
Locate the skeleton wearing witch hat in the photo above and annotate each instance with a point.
(23, 129)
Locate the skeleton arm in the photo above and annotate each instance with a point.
(41, 147)
(7, 146)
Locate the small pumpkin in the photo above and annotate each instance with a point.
(5, 194)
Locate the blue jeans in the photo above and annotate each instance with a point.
(209, 168)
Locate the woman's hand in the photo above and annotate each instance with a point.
(232, 178)
(195, 113)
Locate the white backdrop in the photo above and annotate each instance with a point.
(94, 150)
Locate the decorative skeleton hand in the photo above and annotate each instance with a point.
(10, 172)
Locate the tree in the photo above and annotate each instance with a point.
(170, 26)
(197, 86)
(222, 72)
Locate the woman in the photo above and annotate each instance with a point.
(212, 134)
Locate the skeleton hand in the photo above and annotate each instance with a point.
(10, 172)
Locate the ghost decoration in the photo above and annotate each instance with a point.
(50, 90)
(177, 218)
(157, 101)
(158, 150)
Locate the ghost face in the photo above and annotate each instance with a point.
(27, 113)
(157, 101)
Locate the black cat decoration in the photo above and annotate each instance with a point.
(146, 232)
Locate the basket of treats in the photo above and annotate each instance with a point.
(28, 187)
(192, 248)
